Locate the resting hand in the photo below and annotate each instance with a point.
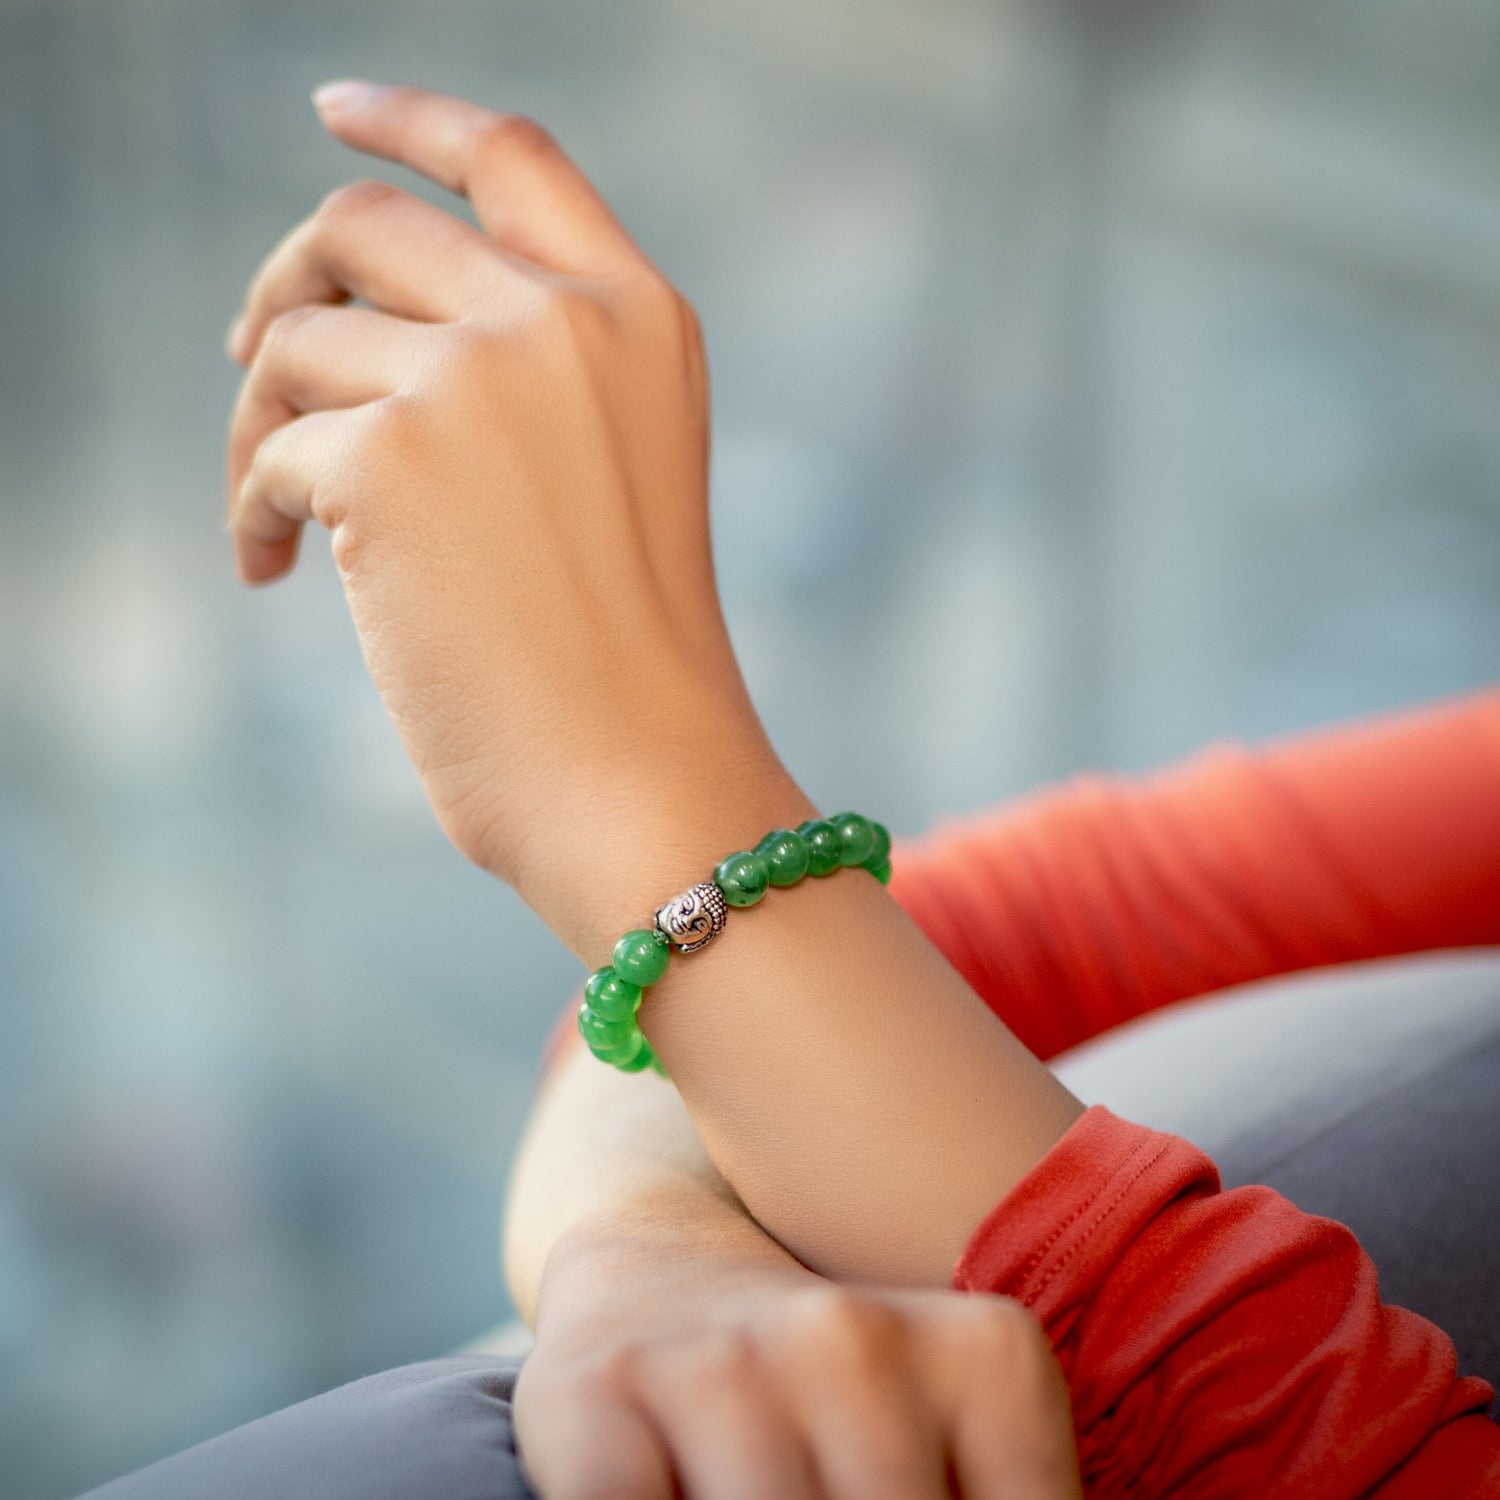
(509, 446)
(749, 1378)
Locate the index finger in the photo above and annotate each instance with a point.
(525, 190)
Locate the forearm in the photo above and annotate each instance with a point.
(671, 1332)
(1083, 905)
(609, 1164)
(509, 446)
(854, 1092)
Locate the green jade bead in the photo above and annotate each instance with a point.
(858, 835)
(743, 878)
(626, 1053)
(881, 853)
(640, 957)
(882, 872)
(825, 846)
(786, 855)
(602, 1035)
(610, 997)
(639, 1060)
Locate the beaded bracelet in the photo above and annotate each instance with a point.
(613, 994)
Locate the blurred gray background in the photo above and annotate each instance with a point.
(1090, 381)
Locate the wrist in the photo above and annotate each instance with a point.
(672, 1240)
(649, 822)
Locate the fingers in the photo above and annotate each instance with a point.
(729, 1436)
(525, 191)
(1005, 1462)
(877, 1440)
(1011, 1428)
(299, 473)
(312, 358)
(872, 1430)
(368, 239)
(587, 1450)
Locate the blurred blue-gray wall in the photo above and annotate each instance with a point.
(1091, 380)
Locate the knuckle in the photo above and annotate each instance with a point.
(351, 199)
(721, 1360)
(690, 330)
(692, 324)
(1003, 1337)
(349, 545)
(465, 351)
(608, 1370)
(359, 510)
(284, 328)
(655, 295)
(587, 319)
(519, 134)
(666, 296)
(657, 307)
(393, 424)
(853, 1324)
(732, 1357)
(564, 318)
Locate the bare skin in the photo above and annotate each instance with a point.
(674, 1336)
(508, 445)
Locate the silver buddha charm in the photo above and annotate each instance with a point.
(693, 918)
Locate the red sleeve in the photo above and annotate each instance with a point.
(1077, 908)
(1224, 1343)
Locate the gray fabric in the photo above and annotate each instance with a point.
(434, 1431)
(1370, 1094)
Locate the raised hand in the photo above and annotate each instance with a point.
(509, 446)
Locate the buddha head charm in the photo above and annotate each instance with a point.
(694, 917)
(607, 1016)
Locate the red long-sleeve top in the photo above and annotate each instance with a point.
(1221, 1343)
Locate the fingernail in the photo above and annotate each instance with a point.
(233, 337)
(341, 94)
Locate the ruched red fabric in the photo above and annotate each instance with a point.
(1221, 1343)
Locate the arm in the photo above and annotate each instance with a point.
(874, 1170)
(1225, 1343)
(1077, 908)
(510, 456)
(1086, 904)
(674, 1337)
(606, 1154)
(491, 390)
(1283, 1308)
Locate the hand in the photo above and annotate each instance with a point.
(753, 1379)
(509, 446)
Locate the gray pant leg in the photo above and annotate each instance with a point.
(1370, 1094)
(434, 1431)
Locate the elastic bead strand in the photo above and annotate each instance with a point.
(857, 835)
(744, 878)
(782, 857)
(786, 855)
(825, 846)
(640, 957)
(611, 997)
